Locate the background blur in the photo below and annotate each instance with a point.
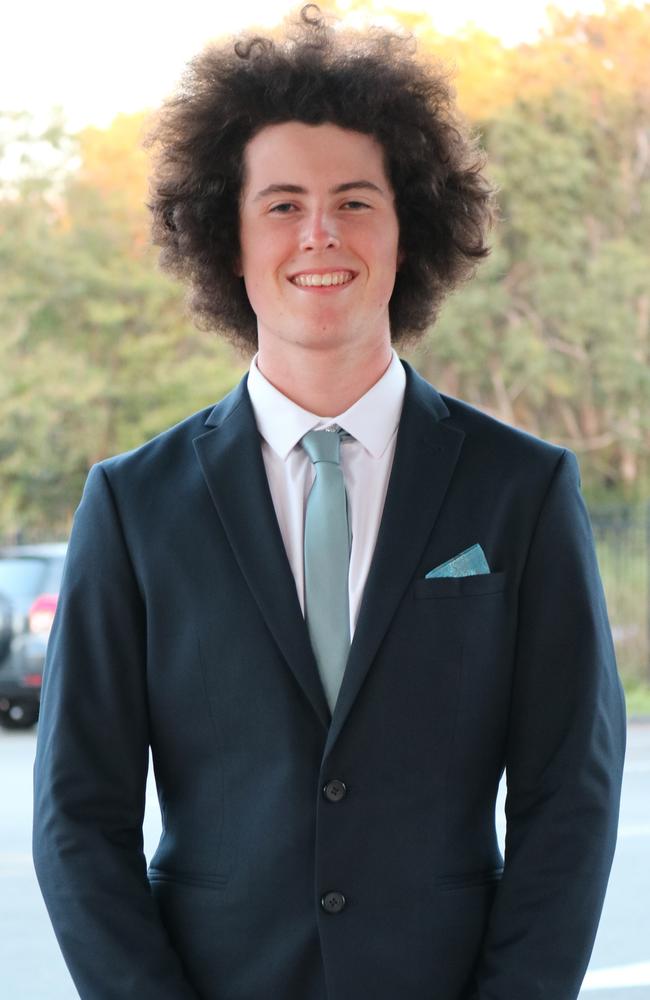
(553, 335)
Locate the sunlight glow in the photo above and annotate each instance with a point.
(95, 60)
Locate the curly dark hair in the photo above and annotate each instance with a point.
(370, 82)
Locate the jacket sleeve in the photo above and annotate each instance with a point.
(564, 763)
(91, 768)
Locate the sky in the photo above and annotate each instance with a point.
(97, 59)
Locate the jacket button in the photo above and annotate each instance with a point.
(334, 790)
(333, 902)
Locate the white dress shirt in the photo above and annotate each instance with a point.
(366, 462)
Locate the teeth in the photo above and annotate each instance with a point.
(334, 278)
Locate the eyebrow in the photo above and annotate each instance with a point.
(297, 189)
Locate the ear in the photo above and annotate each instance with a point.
(237, 268)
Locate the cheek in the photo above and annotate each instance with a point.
(263, 254)
(256, 289)
(262, 286)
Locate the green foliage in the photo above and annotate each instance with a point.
(637, 700)
(97, 355)
(554, 332)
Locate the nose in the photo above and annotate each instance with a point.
(319, 233)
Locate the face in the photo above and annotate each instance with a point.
(319, 237)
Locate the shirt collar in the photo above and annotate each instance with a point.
(372, 420)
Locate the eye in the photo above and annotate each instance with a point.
(355, 204)
(283, 208)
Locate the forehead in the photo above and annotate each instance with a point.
(293, 152)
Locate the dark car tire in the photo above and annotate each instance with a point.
(26, 721)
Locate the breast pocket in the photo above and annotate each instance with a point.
(459, 586)
(470, 613)
(462, 631)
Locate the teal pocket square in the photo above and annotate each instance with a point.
(471, 562)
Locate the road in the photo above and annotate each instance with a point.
(32, 967)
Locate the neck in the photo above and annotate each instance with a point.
(325, 383)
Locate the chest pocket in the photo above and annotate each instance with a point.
(459, 586)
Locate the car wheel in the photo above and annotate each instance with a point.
(19, 717)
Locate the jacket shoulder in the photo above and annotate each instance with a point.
(170, 447)
(495, 437)
(487, 440)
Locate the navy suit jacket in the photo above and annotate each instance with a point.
(310, 857)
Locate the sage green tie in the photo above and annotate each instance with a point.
(327, 560)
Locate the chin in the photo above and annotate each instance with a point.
(327, 337)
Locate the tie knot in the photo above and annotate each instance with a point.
(324, 446)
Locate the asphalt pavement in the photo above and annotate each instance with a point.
(31, 966)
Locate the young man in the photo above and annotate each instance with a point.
(277, 595)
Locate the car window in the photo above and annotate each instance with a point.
(52, 583)
(23, 577)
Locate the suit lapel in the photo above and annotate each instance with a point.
(232, 465)
(231, 461)
(426, 453)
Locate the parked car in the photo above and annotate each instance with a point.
(30, 577)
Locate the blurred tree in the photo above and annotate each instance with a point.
(97, 354)
(114, 163)
(554, 332)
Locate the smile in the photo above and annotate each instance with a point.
(322, 280)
